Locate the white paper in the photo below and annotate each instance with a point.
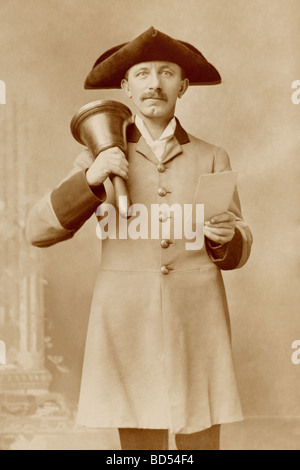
(215, 191)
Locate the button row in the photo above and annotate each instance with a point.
(162, 218)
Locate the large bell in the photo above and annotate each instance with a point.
(101, 125)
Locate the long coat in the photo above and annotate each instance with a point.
(158, 349)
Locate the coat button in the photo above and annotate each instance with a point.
(165, 243)
(163, 217)
(162, 192)
(161, 168)
(164, 270)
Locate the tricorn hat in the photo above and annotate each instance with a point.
(111, 67)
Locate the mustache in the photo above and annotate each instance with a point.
(154, 95)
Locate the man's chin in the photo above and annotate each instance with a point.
(154, 111)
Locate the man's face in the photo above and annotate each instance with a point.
(154, 88)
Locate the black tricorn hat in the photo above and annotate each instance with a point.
(111, 67)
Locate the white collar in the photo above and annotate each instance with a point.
(157, 146)
(167, 133)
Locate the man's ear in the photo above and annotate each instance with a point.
(125, 87)
(184, 86)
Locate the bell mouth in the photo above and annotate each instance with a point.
(96, 107)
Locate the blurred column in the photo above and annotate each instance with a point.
(21, 284)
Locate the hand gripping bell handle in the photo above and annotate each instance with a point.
(101, 125)
(121, 195)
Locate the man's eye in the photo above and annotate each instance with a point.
(142, 74)
(167, 73)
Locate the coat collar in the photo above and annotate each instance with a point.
(173, 147)
(133, 134)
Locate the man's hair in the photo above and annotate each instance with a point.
(183, 76)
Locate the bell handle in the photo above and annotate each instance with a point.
(121, 195)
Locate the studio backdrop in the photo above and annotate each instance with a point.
(46, 50)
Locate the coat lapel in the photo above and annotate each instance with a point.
(133, 135)
(173, 146)
(143, 148)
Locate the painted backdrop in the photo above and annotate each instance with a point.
(47, 48)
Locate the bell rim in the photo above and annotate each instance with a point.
(93, 108)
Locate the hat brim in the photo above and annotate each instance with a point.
(111, 67)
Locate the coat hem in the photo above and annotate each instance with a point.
(182, 430)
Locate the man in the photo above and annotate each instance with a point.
(158, 353)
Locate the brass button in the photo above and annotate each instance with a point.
(161, 168)
(162, 192)
(165, 243)
(164, 270)
(163, 217)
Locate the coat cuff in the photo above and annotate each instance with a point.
(74, 201)
(227, 256)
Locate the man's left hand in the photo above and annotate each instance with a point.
(221, 228)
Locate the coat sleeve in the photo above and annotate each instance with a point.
(234, 254)
(60, 213)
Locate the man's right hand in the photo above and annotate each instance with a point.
(109, 162)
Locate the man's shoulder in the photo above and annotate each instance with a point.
(204, 145)
(197, 147)
(185, 137)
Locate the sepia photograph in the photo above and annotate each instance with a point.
(149, 227)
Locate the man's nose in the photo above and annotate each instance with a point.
(154, 81)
